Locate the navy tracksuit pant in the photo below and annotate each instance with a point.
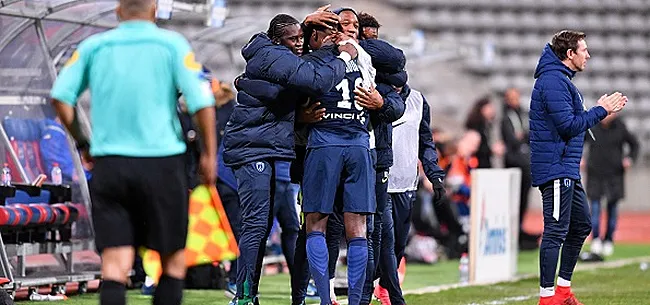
(375, 224)
(397, 224)
(230, 201)
(284, 210)
(256, 188)
(567, 223)
(300, 279)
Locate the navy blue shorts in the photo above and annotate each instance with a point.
(328, 167)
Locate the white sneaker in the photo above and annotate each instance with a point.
(596, 246)
(608, 248)
(332, 294)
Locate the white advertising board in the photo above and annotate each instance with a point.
(494, 233)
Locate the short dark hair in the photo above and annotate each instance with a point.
(566, 40)
(308, 31)
(278, 23)
(368, 21)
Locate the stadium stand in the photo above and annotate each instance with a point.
(517, 30)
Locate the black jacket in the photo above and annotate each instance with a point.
(484, 152)
(514, 121)
(606, 153)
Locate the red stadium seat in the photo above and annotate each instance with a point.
(47, 213)
(31, 215)
(25, 214)
(5, 216)
(13, 216)
(62, 212)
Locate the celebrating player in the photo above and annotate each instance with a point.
(260, 133)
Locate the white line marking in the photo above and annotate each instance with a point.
(580, 267)
(506, 300)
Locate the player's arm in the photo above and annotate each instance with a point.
(259, 89)
(71, 82)
(427, 148)
(385, 57)
(559, 106)
(309, 77)
(393, 107)
(200, 103)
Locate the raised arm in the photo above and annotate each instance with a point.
(559, 105)
(286, 69)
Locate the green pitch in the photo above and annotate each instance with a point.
(624, 285)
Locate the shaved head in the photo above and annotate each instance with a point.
(136, 9)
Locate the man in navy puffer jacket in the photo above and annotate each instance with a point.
(260, 133)
(558, 122)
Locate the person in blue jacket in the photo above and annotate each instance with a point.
(558, 122)
(260, 132)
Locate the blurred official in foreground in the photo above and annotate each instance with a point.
(138, 190)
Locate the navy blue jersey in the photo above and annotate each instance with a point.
(345, 122)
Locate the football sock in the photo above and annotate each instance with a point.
(169, 291)
(318, 258)
(546, 292)
(357, 263)
(112, 293)
(563, 283)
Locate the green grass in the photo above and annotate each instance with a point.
(607, 286)
(626, 285)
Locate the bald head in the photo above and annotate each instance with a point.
(137, 10)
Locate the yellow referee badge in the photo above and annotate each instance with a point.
(73, 59)
(190, 62)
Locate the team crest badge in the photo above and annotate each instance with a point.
(259, 166)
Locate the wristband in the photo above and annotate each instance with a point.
(345, 57)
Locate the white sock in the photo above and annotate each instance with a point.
(148, 281)
(332, 294)
(563, 283)
(546, 292)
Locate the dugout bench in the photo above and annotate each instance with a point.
(38, 220)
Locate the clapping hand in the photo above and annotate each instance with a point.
(613, 103)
